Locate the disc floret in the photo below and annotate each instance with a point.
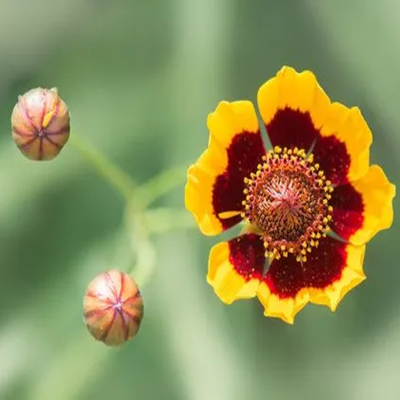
(287, 203)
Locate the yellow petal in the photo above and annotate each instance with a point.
(227, 122)
(352, 275)
(349, 127)
(230, 278)
(294, 90)
(283, 308)
(199, 195)
(377, 196)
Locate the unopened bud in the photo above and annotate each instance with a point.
(113, 307)
(40, 124)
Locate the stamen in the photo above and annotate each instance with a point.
(286, 200)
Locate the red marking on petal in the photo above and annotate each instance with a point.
(132, 314)
(348, 208)
(246, 254)
(291, 128)
(43, 112)
(24, 112)
(99, 297)
(19, 132)
(40, 154)
(97, 312)
(108, 328)
(62, 131)
(333, 158)
(111, 286)
(324, 265)
(28, 143)
(125, 326)
(285, 277)
(132, 298)
(52, 142)
(244, 154)
(129, 310)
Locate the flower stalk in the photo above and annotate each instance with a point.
(140, 222)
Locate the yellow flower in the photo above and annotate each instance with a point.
(314, 182)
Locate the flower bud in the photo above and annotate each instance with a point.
(113, 307)
(40, 124)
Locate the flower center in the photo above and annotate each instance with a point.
(287, 203)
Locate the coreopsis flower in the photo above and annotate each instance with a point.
(40, 124)
(314, 183)
(113, 307)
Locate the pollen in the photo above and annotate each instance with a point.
(287, 201)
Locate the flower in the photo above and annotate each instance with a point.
(315, 182)
(40, 124)
(113, 307)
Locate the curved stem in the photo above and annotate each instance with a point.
(141, 245)
(162, 184)
(116, 177)
(164, 219)
(140, 223)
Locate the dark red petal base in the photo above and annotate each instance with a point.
(348, 207)
(292, 128)
(244, 154)
(246, 254)
(332, 156)
(324, 265)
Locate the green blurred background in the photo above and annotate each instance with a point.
(140, 78)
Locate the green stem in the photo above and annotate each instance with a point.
(141, 245)
(162, 184)
(139, 222)
(164, 219)
(116, 177)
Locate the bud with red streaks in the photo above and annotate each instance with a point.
(40, 124)
(113, 307)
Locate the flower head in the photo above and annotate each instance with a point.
(113, 307)
(309, 204)
(40, 124)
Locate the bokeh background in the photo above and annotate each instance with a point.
(140, 78)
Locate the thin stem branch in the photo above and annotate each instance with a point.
(139, 222)
(165, 219)
(162, 184)
(112, 174)
(141, 245)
